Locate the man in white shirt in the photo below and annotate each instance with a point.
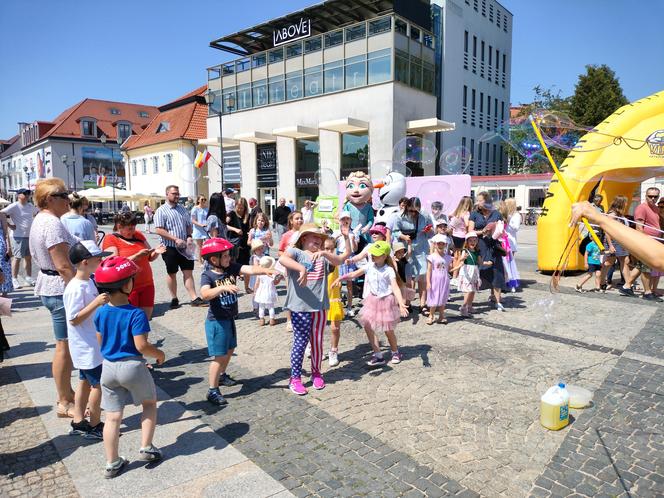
(21, 214)
(229, 199)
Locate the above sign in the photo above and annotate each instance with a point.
(291, 33)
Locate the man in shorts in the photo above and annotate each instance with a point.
(21, 214)
(173, 224)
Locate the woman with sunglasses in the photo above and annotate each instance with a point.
(49, 245)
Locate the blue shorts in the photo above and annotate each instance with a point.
(221, 336)
(593, 268)
(93, 376)
(56, 306)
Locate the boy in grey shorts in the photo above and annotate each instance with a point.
(125, 379)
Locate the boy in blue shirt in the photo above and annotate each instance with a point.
(593, 264)
(122, 331)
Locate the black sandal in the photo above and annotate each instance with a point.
(425, 311)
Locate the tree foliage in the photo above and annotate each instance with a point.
(597, 95)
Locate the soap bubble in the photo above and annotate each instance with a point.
(455, 161)
(380, 169)
(414, 149)
(543, 311)
(190, 176)
(328, 183)
(435, 190)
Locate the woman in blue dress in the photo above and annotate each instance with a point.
(412, 228)
(5, 256)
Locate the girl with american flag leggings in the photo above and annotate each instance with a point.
(308, 266)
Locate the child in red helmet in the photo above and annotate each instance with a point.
(123, 331)
(219, 287)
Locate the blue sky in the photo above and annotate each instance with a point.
(55, 53)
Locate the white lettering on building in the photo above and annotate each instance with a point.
(292, 32)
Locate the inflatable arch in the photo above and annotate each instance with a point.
(616, 169)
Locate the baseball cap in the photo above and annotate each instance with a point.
(85, 249)
(230, 190)
(380, 248)
(344, 214)
(440, 221)
(24, 191)
(439, 237)
(470, 235)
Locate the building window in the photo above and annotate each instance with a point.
(356, 71)
(335, 38)
(276, 55)
(259, 90)
(294, 89)
(416, 72)
(401, 71)
(381, 25)
(294, 50)
(88, 128)
(164, 126)
(244, 97)
(313, 44)
(401, 27)
(124, 131)
(313, 81)
(465, 41)
(143, 114)
(379, 66)
(465, 103)
(155, 165)
(354, 153)
(474, 46)
(276, 89)
(228, 69)
(144, 166)
(334, 76)
(356, 32)
(415, 33)
(306, 170)
(169, 163)
(133, 168)
(229, 100)
(115, 111)
(259, 60)
(472, 151)
(214, 73)
(428, 78)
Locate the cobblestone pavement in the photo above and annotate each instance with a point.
(459, 416)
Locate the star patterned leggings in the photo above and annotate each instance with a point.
(307, 327)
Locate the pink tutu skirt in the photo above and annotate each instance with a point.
(379, 313)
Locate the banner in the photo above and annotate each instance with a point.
(97, 164)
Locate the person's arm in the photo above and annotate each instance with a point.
(337, 259)
(163, 233)
(360, 256)
(147, 349)
(60, 256)
(638, 217)
(88, 310)
(428, 274)
(458, 262)
(290, 264)
(5, 231)
(397, 294)
(637, 243)
(471, 225)
(349, 276)
(256, 270)
(194, 220)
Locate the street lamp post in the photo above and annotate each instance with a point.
(210, 97)
(64, 159)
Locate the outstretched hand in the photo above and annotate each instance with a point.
(302, 279)
(582, 210)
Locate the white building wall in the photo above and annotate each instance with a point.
(460, 16)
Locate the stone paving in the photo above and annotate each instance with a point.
(458, 417)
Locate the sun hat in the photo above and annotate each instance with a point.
(470, 235)
(440, 221)
(85, 249)
(439, 237)
(380, 248)
(308, 228)
(256, 243)
(267, 262)
(379, 229)
(398, 246)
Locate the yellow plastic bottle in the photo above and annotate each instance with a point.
(554, 409)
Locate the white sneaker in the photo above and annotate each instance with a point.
(16, 283)
(454, 282)
(500, 307)
(333, 358)
(307, 351)
(31, 281)
(351, 312)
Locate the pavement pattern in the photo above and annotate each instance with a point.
(459, 417)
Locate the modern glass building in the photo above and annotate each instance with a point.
(331, 88)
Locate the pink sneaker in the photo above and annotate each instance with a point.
(297, 387)
(318, 382)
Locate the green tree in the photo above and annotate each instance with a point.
(597, 95)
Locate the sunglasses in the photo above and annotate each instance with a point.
(653, 197)
(61, 195)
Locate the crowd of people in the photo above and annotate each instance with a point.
(101, 294)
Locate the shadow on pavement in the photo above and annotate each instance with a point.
(20, 413)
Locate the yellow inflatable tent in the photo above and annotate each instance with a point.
(606, 165)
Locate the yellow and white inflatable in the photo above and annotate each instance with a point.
(623, 151)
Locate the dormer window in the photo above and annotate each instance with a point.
(115, 111)
(143, 114)
(124, 131)
(163, 127)
(88, 127)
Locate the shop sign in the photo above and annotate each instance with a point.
(266, 165)
(306, 179)
(293, 32)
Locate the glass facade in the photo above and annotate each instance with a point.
(354, 153)
(306, 172)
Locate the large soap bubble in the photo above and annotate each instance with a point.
(455, 161)
(190, 176)
(414, 149)
(380, 169)
(328, 183)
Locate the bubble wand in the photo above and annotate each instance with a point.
(562, 182)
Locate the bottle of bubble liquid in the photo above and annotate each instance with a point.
(554, 409)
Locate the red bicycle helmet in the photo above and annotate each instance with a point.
(215, 245)
(113, 272)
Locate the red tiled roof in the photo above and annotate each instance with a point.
(186, 121)
(67, 124)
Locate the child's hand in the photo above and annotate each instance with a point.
(404, 310)
(233, 289)
(102, 299)
(160, 357)
(302, 279)
(349, 261)
(488, 263)
(160, 249)
(336, 283)
(316, 255)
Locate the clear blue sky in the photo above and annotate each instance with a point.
(55, 53)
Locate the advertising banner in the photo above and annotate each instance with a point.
(98, 168)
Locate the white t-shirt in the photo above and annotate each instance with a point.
(307, 215)
(83, 346)
(340, 241)
(22, 217)
(378, 280)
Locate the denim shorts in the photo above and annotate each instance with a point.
(221, 336)
(56, 306)
(93, 375)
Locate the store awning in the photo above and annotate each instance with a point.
(214, 142)
(429, 125)
(297, 132)
(256, 137)
(345, 125)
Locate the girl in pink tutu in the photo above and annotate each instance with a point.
(383, 304)
(438, 278)
(468, 263)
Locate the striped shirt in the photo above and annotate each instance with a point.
(175, 220)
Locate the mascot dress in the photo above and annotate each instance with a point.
(359, 191)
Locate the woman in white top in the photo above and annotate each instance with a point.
(513, 223)
(308, 211)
